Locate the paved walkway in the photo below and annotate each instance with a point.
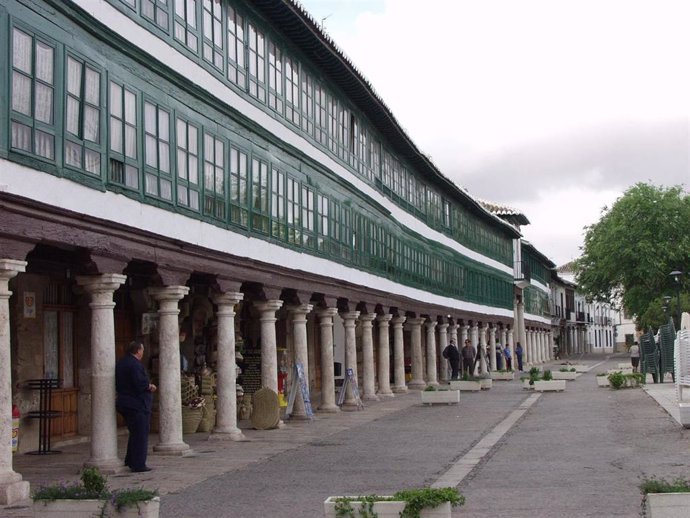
(578, 453)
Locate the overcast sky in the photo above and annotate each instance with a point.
(554, 107)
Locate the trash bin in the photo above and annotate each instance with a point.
(15, 428)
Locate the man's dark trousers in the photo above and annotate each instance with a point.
(138, 424)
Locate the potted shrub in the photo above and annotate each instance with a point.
(664, 499)
(548, 384)
(410, 503)
(503, 375)
(431, 395)
(92, 498)
(565, 373)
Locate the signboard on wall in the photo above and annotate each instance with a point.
(29, 302)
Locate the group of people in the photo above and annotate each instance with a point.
(465, 360)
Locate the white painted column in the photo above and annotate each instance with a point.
(453, 334)
(398, 355)
(492, 349)
(169, 395)
(520, 330)
(442, 344)
(530, 346)
(384, 360)
(464, 333)
(12, 488)
(510, 342)
(327, 373)
(552, 344)
(474, 338)
(369, 383)
(482, 343)
(544, 346)
(300, 348)
(269, 353)
(349, 323)
(103, 446)
(417, 381)
(226, 388)
(432, 378)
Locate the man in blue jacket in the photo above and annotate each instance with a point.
(134, 398)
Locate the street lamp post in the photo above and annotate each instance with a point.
(665, 306)
(676, 275)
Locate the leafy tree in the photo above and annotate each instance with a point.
(655, 316)
(629, 253)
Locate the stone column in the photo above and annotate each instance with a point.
(417, 381)
(510, 342)
(474, 338)
(520, 331)
(12, 488)
(544, 347)
(432, 378)
(369, 385)
(492, 349)
(442, 344)
(464, 333)
(453, 335)
(530, 346)
(398, 355)
(103, 446)
(169, 395)
(552, 344)
(349, 323)
(299, 342)
(327, 374)
(384, 363)
(226, 388)
(482, 343)
(269, 353)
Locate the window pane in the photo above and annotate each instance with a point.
(164, 157)
(74, 77)
(91, 129)
(116, 100)
(151, 184)
(21, 136)
(44, 103)
(116, 135)
(166, 189)
(130, 107)
(131, 176)
(45, 145)
(150, 118)
(193, 168)
(72, 154)
(92, 90)
(151, 151)
(131, 141)
(44, 62)
(92, 161)
(72, 115)
(192, 140)
(21, 93)
(21, 51)
(163, 121)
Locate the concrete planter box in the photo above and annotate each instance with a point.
(526, 385)
(626, 370)
(559, 375)
(429, 397)
(603, 381)
(486, 383)
(502, 376)
(626, 365)
(465, 386)
(94, 508)
(667, 505)
(549, 386)
(578, 367)
(684, 411)
(388, 509)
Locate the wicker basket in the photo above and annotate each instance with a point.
(208, 419)
(191, 417)
(208, 384)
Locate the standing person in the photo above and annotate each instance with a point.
(509, 360)
(453, 355)
(468, 354)
(635, 356)
(518, 356)
(499, 357)
(134, 398)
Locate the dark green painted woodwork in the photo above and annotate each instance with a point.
(356, 231)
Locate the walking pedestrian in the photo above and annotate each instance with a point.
(508, 356)
(499, 357)
(468, 355)
(452, 354)
(134, 398)
(518, 355)
(635, 356)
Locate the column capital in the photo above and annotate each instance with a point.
(268, 305)
(230, 298)
(367, 317)
(453, 327)
(416, 321)
(349, 316)
(327, 312)
(430, 324)
(492, 330)
(442, 327)
(11, 267)
(299, 310)
(168, 293)
(384, 318)
(105, 282)
(398, 321)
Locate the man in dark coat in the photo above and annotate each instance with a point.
(134, 398)
(468, 355)
(452, 354)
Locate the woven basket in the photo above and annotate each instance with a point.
(208, 384)
(208, 419)
(191, 417)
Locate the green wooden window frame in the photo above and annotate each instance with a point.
(123, 165)
(187, 137)
(308, 202)
(83, 148)
(156, 11)
(256, 57)
(32, 104)
(278, 214)
(213, 50)
(307, 102)
(239, 187)
(214, 177)
(157, 163)
(293, 211)
(261, 196)
(275, 78)
(321, 114)
(237, 60)
(292, 90)
(186, 23)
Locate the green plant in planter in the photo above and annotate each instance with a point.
(415, 500)
(547, 376)
(534, 371)
(573, 369)
(602, 374)
(430, 388)
(616, 380)
(563, 369)
(660, 485)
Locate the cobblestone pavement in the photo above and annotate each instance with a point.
(579, 453)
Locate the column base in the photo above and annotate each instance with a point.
(386, 394)
(13, 489)
(349, 406)
(107, 466)
(180, 448)
(299, 417)
(330, 409)
(400, 390)
(416, 385)
(227, 435)
(370, 397)
(433, 383)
